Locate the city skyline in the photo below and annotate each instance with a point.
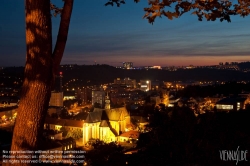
(112, 35)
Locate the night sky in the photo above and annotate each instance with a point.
(111, 35)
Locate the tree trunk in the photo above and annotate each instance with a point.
(36, 88)
(40, 67)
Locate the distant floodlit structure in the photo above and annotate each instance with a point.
(127, 65)
(56, 99)
(228, 104)
(126, 81)
(145, 85)
(58, 83)
(155, 67)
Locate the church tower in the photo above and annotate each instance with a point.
(107, 102)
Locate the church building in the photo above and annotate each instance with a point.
(102, 123)
(106, 124)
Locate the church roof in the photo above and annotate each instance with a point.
(73, 123)
(117, 114)
(231, 100)
(96, 116)
(104, 123)
(114, 131)
(64, 122)
(114, 114)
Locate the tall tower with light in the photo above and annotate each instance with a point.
(107, 102)
(60, 79)
(56, 98)
(58, 83)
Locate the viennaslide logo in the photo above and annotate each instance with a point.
(234, 155)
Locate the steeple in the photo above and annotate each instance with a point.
(107, 102)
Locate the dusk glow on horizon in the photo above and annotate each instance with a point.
(112, 35)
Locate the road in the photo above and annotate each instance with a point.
(7, 125)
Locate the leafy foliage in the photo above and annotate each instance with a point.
(229, 88)
(203, 9)
(56, 10)
(183, 139)
(117, 2)
(105, 154)
(208, 9)
(64, 114)
(64, 131)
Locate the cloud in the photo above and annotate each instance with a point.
(199, 40)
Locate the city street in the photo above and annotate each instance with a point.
(8, 125)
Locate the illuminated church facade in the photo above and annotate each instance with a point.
(103, 124)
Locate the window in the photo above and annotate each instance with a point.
(224, 107)
(238, 106)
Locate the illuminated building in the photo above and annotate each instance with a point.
(126, 81)
(118, 81)
(56, 99)
(8, 113)
(107, 102)
(68, 124)
(145, 85)
(154, 67)
(84, 95)
(228, 104)
(104, 124)
(98, 97)
(127, 65)
(69, 95)
(156, 85)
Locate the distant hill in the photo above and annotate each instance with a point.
(11, 77)
(244, 65)
(100, 74)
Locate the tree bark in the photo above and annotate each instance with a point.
(36, 88)
(41, 66)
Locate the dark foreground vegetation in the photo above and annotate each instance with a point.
(177, 137)
(230, 88)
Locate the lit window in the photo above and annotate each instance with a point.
(224, 107)
(238, 106)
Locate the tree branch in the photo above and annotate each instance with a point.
(62, 35)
